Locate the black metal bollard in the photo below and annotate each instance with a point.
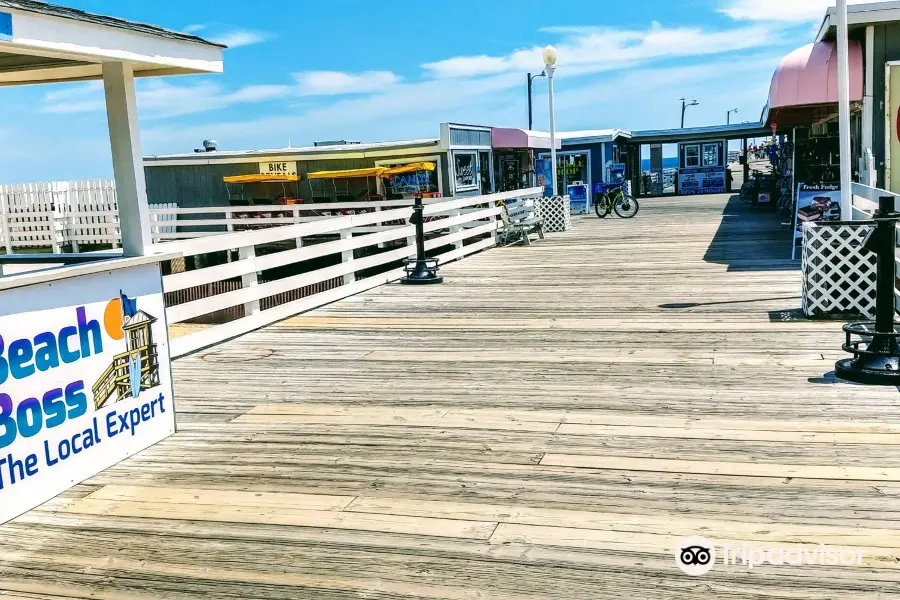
(879, 362)
(421, 270)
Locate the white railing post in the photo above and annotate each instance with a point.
(380, 224)
(249, 280)
(456, 228)
(54, 239)
(493, 232)
(229, 214)
(347, 256)
(7, 241)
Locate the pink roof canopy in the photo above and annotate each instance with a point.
(502, 137)
(808, 77)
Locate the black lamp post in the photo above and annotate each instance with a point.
(733, 110)
(874, 345)
(420, 270)
(684, 106)
(530, 79)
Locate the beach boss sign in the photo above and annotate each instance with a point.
(84, 380)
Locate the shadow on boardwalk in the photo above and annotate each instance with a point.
(750, 240)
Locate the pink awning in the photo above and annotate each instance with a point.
(807, 77)
(502, 137)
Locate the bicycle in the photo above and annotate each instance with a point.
(614, 198)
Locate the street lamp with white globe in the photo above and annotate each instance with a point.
(550, 56)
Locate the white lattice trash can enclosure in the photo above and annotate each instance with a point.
(556, 212)
(838, 275)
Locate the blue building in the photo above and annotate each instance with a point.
(585, 160)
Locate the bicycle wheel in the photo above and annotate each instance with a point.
(626, 207)
(748, 192)
(602, 207)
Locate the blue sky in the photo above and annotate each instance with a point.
(306, 70)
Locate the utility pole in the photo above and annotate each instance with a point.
(733, 110)
(684, 106)
(531, 78)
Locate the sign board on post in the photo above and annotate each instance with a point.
(816, 202)
(278, 168)
(85, 380)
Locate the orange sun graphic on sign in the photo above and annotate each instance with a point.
(112, 319)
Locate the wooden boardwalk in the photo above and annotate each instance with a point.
(547, 424)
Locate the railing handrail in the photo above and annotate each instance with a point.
(302, 207)
(238, 239)
(459, 232)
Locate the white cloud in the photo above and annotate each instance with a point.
(585, 50)
(194, 28)
(157, 98)
(780, 10)
(467, 66)
(235, 38)
(325, 83)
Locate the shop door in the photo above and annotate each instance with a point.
(487, 172)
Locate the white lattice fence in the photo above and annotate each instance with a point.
(556, 212)
(838, 275)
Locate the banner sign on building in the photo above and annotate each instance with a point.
(84, 380)
(701, 180)
(278, 168)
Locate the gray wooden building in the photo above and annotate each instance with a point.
(193, 180)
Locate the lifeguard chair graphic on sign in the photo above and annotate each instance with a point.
(137, 368)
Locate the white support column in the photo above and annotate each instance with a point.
(869, 93)
(844, 109)
(249, 280)
(347, 256)
(128, 163)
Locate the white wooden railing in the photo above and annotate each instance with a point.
(211, 220)
(450, 223)
(865, 201)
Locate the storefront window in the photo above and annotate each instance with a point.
(710, 155)
(571, 169)
(692, 156)
(465, 170)
(409, 184)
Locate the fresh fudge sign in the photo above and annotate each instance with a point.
(84, 380)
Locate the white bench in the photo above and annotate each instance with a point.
(519, 223)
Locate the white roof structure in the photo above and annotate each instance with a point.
(42, 43)
(860, 14)
(46, 43)
(592, 136)
(367, 150)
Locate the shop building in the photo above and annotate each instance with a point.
(515, 152)
(466, 160)
(874, 36)
(587, 160)
(697, 160)
(197, 179)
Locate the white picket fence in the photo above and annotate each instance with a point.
(462, 225)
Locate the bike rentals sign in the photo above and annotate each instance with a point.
(84, 380)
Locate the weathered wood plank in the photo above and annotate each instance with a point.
(546, 424)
